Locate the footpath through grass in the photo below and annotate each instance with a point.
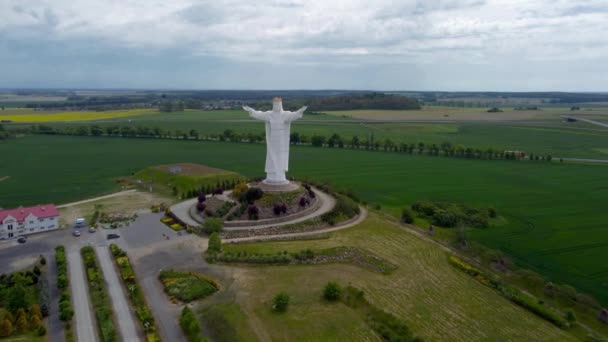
(554, 213)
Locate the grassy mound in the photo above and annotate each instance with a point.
(185, 179)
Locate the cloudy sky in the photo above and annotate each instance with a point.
(501, 45)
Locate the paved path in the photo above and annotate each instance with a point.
(121, 193)
(182, 211)
(583, 160)
(359, 219)
(85, 326)
(593, 122)
(124, 317)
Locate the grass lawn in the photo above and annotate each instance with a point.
(436, 301)
(554, 213)
(227, 322)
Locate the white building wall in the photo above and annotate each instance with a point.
(30, 225)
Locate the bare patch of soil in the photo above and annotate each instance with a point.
(189, 169)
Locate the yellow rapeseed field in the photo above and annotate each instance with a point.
(73, 115)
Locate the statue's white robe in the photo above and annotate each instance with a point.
(278, 127)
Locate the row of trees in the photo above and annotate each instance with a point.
(335, 140)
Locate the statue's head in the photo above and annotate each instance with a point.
(277, 104)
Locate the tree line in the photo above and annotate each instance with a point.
(366, 101)
(370, 143)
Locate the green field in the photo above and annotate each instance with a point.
(555, 213)
(574, 140)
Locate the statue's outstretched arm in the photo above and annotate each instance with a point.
(297, 114)
(256, 114)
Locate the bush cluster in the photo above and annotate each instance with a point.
(279, 209)
(191, 326)
(251, 195)
(344, 209)
(251, 258)
(65, 305)
(99, 296)
(332, 291)
(253, 212)
(280, 302)
(450, 215)
(213, 225)
(215, 244)
(135, 292)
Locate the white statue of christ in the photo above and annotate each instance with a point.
(278, 123)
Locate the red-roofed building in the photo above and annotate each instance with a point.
(30, 220)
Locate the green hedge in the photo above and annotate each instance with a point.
(191, 326)
(66, 311)
(99, 296)
(135, 293)
(527, 301)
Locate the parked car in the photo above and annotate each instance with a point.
(80, 222)
(22, 239)
(113, 236)
(76, 233)
(92, 230)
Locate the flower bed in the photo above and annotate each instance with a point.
(99, 296)
(135, 293)
(187, 286)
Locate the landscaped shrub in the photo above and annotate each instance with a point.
(407, 216)
(200, 207)
(201, 197)
(251, 195)
(344, 209)
(191, 326)
(239, 189)
(280, 302)
(215, 243)
(224, 209)
(253, 212)
(279, 208)
(332, 291)
(213, 225)
(304, 202)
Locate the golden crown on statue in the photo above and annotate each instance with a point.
(277, 99)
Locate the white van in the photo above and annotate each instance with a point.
(80, 222)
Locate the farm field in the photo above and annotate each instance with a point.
(574, 140)
(30, 116)
(555, 212)
(436, 301)
(468, 114)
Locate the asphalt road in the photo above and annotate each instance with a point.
(85, 326)
(124, 316)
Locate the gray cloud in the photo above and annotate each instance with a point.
(300, 36)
